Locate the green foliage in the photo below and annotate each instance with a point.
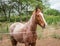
(4, 27)
(14, 18)
(25, 17)
(0, 37)
(52, 12)
(3, 19)
(52, 19)
(31, 3)
(17, 18)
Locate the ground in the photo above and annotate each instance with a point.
(41, 42)
(48, 36)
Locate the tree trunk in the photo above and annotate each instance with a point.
(9, 15)
(27, 11)
(19, 10)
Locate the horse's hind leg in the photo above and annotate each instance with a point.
(13, 41)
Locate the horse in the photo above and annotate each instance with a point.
(26, 33)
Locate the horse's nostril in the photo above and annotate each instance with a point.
(43, 26)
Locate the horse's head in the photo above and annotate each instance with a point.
(40, 18)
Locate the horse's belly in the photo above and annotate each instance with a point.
(18, 33)
(21, 37)
(18, 37)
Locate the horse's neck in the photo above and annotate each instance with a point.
(32, 24)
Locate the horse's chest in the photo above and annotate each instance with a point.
(26, 37)
(30, 37)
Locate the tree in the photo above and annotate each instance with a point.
(21, 6)
(52, 12)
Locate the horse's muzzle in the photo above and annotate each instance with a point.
(43, 26)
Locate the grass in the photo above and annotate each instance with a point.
(4, 27)
(55, 35)
(39, 32)
(0, 37)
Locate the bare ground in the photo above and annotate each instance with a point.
(41, 42)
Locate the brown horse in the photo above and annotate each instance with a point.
(26, 33)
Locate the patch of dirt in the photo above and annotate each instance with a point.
(48, 42)
(41, 42)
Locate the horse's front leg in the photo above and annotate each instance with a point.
(33, 44)
(27, 44)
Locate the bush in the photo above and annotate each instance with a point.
(25, 17)
(17, 18)
(3, 19)
(52, 19)
(52, 12)
(14, 18)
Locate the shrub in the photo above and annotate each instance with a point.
(3, 19)
(52, 12)
(52, 19)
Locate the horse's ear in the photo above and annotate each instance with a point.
(37, 7)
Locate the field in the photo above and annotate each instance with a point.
(50, 36)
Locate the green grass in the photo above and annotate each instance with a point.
(0, 37)
(55, 35)
(4, 27)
